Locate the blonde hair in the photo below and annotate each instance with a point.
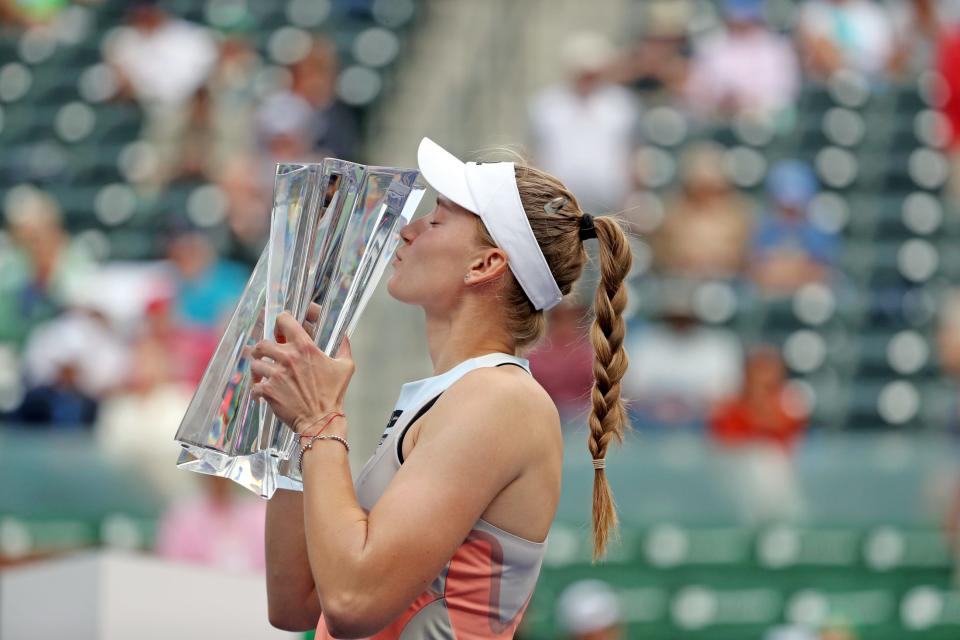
(555, 216)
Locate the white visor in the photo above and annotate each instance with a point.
(489, 190)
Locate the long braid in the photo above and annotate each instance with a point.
(608, 417)
(555, 217)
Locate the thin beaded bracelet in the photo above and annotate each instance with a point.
(313, 439)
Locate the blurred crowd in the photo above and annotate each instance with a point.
(77, 359)
(766, 245)
(82, 352)
(707, 235)
(78, 355)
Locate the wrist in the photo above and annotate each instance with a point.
(316, 423)
(336, 426)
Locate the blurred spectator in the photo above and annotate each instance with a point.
(136, 426)
(917, 26)
(706, 230)
(30, 13)
(220, 121)
(59, 402)
(218, 528)
(948, 66)
(248, 209)
(207, 287)
(188, 346)
(948, 334)
(659, 60)
(83, 337)
(744, 69)
(583, 130)
(563, 363)
(837, 629)
(757, 430)
(788, 250)
(334, 131)
(70, 363)
(285, 125)
(41, 269)
(198, 139)
(678, 367)
(765, 411)
(161, 61)
(948, 350)
(590, 610)
(845, 34)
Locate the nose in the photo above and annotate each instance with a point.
(405, 234)
(408, 232)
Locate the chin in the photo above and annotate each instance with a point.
(395, 290)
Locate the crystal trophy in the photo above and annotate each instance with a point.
(333, 230)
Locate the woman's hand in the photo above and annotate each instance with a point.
(300, 381)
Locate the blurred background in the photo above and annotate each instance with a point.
(790, 175)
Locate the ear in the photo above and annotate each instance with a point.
(487, 266)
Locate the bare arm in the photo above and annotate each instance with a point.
(369, 568)
(292, 600)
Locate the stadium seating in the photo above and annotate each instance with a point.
(61, 130)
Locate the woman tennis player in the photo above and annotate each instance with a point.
(443, 533)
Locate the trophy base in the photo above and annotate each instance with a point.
(256, 472)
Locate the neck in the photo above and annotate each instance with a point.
(466, 332)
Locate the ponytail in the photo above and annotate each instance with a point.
(608, 417)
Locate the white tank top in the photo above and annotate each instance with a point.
(484, 589)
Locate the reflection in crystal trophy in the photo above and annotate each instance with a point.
(333, 230)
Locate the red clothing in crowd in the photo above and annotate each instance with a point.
(737, 422)
(948, 64)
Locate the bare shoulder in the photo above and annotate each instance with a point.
(505, 390)
(496, 400)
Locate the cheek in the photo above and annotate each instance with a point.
(431, 272)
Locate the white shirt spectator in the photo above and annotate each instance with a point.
(137, 429)
(166, 65)
(860, 29)
(586, 141)
(752, 70)
(699, 366)
(78, 339)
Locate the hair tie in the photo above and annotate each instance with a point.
(599, 463)
(587, 230)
